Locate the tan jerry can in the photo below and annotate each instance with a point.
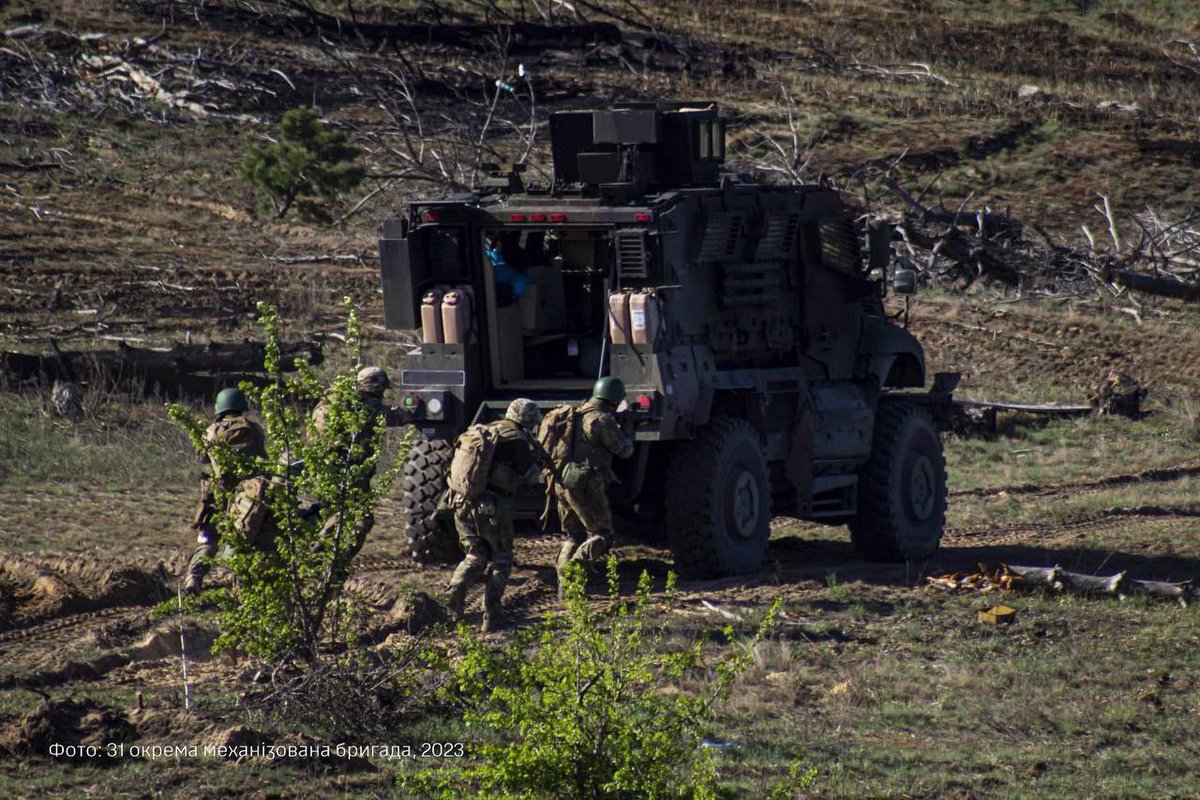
(618, 318)
(644, 318)
(431, 316)
(456, 315)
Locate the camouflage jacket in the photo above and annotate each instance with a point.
(599, 436)
(236, 434)
(378, 412)
(513, 463)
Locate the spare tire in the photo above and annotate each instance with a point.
(423, 479)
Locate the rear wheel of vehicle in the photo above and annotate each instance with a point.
(902, 488)
(423, 480)
(718, 501)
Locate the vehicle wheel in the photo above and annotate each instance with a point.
(422, 481)
(902, 488)
(719, 501)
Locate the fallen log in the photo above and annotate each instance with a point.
(180, 370)
(1013, 576)
(1150, 284)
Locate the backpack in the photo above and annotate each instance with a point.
(251, 515)
(557, 434)
(560, 429)
(471, 466)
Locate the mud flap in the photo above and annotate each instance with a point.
(799, 463)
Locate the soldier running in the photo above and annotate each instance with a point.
(582, 443)
(236, 434)
(490, 462)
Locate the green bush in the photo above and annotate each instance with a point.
(306, 166)
(290, 600)
(588, 706)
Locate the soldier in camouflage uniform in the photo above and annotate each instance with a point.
(236, 434)
(370, 384)
(485, 524)
(584, 510)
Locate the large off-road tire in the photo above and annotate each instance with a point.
(718, 501)
(902, 488)
(422, 482)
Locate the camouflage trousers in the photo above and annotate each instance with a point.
(487, 539)
(586, 522)
(201, 562)
(351, 541)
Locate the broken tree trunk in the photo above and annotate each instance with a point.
(180, 370)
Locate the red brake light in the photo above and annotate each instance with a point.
(516, 217)
(643, 217)
(429, 216)
(537, 217)
(644, 402)
(558, 217)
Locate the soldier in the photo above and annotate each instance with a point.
(370, 383)
(236, 434)
(582, 443)
(490, 462)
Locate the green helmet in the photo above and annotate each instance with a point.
(525, 413)
(231, 400)
(610, 389)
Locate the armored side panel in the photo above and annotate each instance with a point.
(399, 305)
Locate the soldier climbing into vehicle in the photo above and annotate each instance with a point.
(582, 442)
(490, 462)
(233, 443)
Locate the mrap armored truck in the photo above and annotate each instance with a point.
(747, 322)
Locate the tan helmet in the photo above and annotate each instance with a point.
(525, 413)
(372, 380)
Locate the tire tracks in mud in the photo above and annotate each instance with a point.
(1157, 475)
(1091, 522)
(55, 628)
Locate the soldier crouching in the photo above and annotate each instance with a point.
(243, 439)
(488, 467)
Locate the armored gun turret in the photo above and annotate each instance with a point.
(747, 321)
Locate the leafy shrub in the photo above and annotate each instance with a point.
(308, 164)
(587, 706)
(287, 600)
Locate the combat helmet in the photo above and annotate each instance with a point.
(229, 400)
(610, 389)
(525, 413)
(372, 381)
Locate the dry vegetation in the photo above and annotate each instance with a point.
(122, 217)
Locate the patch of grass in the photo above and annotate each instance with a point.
(114, 446)
(1051, 705)
(1034, 451)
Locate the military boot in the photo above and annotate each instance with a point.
(493, 615)
(456, 597)
(564, 556)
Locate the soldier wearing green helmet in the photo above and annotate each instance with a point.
(582, 442)
(232, 442)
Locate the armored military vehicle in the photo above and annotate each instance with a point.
(764, 377)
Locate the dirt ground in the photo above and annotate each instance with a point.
(123, 220)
